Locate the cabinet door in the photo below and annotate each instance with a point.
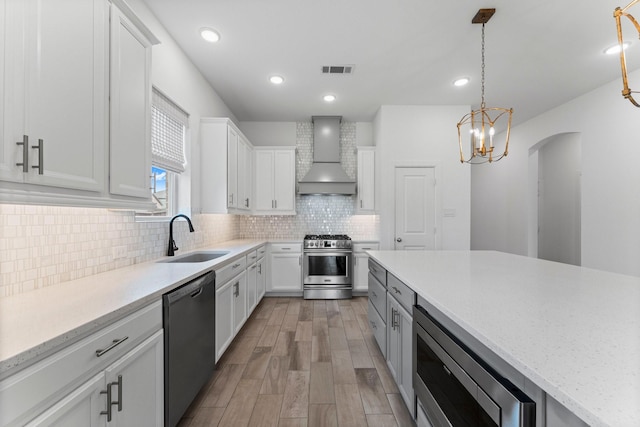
(284, 180)
(80, 408)
(66, 62)
(261, 280)
(12, 47)
(224, 317)
(232, 168)
(286, 272)
(361, 272)
(264, 180)
(252, 282)
(240, 301)
(404, 376)
(130, 79)
(366, 180)
(393, 337)
(137, 383)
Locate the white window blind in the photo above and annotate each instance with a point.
(168, 127)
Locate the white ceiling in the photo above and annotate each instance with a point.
(539, 53)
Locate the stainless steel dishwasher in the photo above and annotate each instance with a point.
(189, 344)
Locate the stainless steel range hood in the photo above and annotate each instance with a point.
(326, 175)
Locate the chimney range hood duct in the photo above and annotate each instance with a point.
(326, 175)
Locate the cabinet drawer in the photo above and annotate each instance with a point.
(252, 257)
(361, 247)
(27, 393)
(401, 292)
(286, 247)
(379, 328)
(377, 295)
(261, 251)
(230, 270)
(379, 272)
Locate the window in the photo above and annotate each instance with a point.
(169, 124)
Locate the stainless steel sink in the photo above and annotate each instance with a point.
(198, 256)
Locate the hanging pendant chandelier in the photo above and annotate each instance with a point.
(477, 130)
(617, 14)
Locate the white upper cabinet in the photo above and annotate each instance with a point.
(366, 180)
(130, 107)
(61, 135)
(54, 92)
(226, 167)
(275, 185)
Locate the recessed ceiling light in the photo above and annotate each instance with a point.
(210, 35)
(461, 81)
(329, 98)
(276, 80)
(615, 49)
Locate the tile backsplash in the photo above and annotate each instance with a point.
(45, 245)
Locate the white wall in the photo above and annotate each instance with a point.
(176, 76)
(270, 133)
(423, 135)
(608, 124)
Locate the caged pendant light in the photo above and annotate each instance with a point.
(478, 128)
(617, 14)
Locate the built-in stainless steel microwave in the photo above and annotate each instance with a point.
(456, 387)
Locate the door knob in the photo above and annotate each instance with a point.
(399, 239)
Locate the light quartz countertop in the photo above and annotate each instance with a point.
(573, 331)
(40, 322)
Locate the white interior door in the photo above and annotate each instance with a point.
(415, 208)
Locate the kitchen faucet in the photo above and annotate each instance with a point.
(172, 244)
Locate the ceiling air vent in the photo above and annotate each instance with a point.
(337, 69)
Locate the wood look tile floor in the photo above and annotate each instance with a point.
(301, 363)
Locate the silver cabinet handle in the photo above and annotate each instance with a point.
(366, 249)
(246, 202)
(231, 199)
(236, 286)
(119, 401)
(276, 203)
(259, 268)
(253, 267)
(25, 153)
(399, 239)
(40, 148)
(234, 266)
(396, 290)
(116, 342)
(108, 411)
(393, 316)
(397, 316)
(286, 249)
(360, 202)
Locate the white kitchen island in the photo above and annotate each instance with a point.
(572, 331)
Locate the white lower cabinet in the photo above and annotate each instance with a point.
(224, 317)
(112, 377)
(239, 301)
(361, 265)
(127, 393)
(286, 268)
(261, 279)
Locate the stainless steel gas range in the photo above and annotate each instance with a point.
(327, 267)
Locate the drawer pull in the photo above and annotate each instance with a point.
(115, 343)
(25, 153)
(234, 266)
(396, 290)
(375, 270)
(108, 411)
(286, 249)
(366, 249)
